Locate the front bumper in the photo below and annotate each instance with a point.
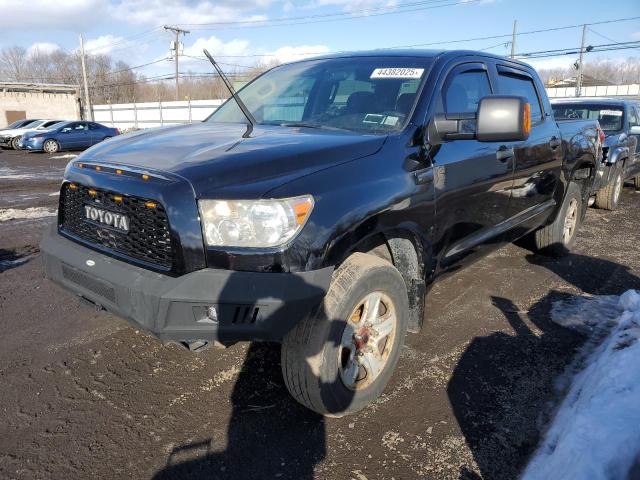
(249, 306)
(31, 144)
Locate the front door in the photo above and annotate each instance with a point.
(633, 166)
(75, 135)
(472, 179)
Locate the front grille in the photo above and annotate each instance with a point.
(148, 239)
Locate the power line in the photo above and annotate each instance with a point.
(604, 36)
(136, 67)
(445, 42)
(124, 40)
(328, 17)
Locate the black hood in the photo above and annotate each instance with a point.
(614, 139)
(213, 156)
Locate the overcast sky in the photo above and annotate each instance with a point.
(327, 25)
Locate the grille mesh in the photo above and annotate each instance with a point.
(148, 238)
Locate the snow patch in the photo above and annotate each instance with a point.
(68, 155)
(31, 212)
(596, 431)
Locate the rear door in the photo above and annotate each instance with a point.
(538, 160)
(97, 133)
(472, 178)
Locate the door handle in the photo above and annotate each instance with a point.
(504, 153)
(554, 142)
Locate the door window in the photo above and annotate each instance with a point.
(522, 86)
(633, 117)
(465, 90)
(80, 127)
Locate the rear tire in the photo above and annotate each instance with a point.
(14, 143)
(608, 196)
(339, 360)
(51, 146)
(557, 239)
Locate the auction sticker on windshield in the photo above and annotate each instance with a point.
(614, 113)
(397, 73)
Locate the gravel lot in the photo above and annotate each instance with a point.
(85, 395)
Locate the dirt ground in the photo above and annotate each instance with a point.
(84, 395)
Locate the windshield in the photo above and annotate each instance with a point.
(361, 94)
(17, 124)
(49, 124)
(610, 117)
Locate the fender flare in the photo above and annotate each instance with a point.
(617, 154)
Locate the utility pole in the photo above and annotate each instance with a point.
(580, 66)
(513, 39)
(176, 52)
(85, 81)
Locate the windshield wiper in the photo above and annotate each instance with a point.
(227, 83)
(310, 125)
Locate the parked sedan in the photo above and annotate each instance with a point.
(67, 136)
(10, 136)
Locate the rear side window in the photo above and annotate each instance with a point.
(523, 87)
(465, 90)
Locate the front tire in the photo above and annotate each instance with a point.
(340, 359)
(14, 143)
(608, 196)
(558, 238)
(51, 146)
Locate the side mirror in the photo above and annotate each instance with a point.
(503, 118)
(635, 130)
(500, 118)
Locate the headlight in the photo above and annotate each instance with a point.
(253, 223)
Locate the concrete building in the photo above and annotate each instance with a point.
(38, 100)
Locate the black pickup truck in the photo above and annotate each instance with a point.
(320, 218)
(620, 121)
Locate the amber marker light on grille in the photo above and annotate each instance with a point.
(73, 186)
(145, 176)
(98, 168)
(80, 165)
(151, 205)
(117, 198)
(118, 172)
(92, 192)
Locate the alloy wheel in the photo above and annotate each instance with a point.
(367, 341)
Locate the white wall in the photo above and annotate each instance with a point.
(63, 106)
(632, 90)
(154, 114)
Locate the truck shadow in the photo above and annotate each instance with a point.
(503, 389)
(269, 434)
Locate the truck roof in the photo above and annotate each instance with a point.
(595, 100)
(413, 52)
